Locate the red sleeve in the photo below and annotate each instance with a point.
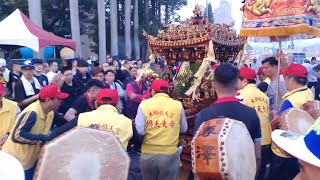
(138, 97)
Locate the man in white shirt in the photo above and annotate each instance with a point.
(312, 79)
(53, 70)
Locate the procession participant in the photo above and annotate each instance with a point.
(8, 111)
(251, 96)
(305, 148)
(296, 81)
(32, 127)
(82, 75)
(85, 102)
(136, 92)
(71, 87)
(225, 84)
(312, 79)
(263, 81)
(105, 117)
(46, 68)
(53, 70)
(270, 69)
(159, 120)
(27, 88)
(38, 72)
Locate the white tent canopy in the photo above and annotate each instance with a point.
(17, 29)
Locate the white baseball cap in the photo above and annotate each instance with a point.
(3, 62)
(305, 148)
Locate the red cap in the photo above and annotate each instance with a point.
(52, 91)
(108, 96)
(296, 70)
(158, 85)
(247, 73)
(2, 90)
(260, 70)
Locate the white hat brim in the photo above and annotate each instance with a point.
(294, 144)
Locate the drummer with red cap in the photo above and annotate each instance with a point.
(8, 111)
(295, 77)
(32, 128)
(254, 98)
(160, 119)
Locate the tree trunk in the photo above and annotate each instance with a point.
(147, 22)
(127, 20)
(159, 15)
(102, 31)
(75, 25)
(166, 16)
(136, 30)
(35, 16)
(114, 27)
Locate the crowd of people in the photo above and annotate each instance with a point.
(40, 101)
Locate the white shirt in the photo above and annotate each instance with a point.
(50, 75)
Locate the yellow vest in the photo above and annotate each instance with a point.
(106, 117)
(8, 114)
(162, 125)
(27, 154)
(259, 101)
(297, 98)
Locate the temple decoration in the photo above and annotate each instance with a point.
(197, 44)
(281, 18)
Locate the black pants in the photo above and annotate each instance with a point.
(266, 155)
(316, 89)
(283, 168)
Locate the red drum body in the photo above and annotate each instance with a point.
(223, 149)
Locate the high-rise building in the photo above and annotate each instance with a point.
(223, 13)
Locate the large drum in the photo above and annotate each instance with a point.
(223, 149)
(293, 120)
(83, 154)
(312, 108)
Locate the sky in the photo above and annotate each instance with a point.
(186, 11)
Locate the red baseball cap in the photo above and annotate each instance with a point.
(297, 70)
(247, 73)
(2, 90)
(159, 85)
(52, 91)
(108, 96)
(260, 70)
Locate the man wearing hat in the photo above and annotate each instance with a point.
(27, 88)
(32, 127)
(160, 119)
(304, 147)
(254, 98)
(8, 111)
(105, 117)
(296, 82)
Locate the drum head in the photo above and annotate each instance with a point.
(293, 120)
(221, 149)
(83, 154)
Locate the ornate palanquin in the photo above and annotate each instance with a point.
(196, 43)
